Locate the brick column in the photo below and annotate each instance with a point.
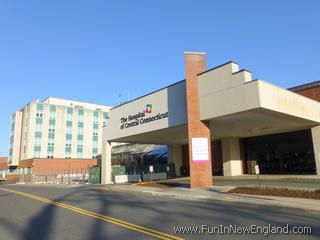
(200, 170)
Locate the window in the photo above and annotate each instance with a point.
(50, 142)
(95, 144)
(80, 115)
(38, 127)
(52, 115)
(80, 118)
(80, 144)
(69, 130)
(37, 141)
(53, 108)
(69, 117)
(12, 130)
(79, 155)
(68, 155)
(50, 154)
(68, 142)
(95, 132)
(95, 117)
(39, 115)
(40, 106)
(80, 130)
(36, 154)
(51, 128)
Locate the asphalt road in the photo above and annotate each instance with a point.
(27, 212)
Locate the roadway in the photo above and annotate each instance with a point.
(38, 212)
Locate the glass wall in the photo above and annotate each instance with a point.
(286, 153)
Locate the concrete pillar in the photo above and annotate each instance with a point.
(175, 156)
(231, 156)
(316, 146)
(106, 163)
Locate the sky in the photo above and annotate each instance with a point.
(96, 50)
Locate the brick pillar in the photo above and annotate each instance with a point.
(200, 169)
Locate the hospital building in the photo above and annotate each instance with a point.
(220, 121)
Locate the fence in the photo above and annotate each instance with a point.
(168, 168)
(122, 174)
(66, 176)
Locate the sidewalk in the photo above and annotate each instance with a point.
(219, 193)
(311, 182)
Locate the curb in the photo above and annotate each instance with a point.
(252, 204)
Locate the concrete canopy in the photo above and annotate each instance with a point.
(233, 104)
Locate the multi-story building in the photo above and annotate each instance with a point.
(56, 128)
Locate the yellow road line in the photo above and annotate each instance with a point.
(115, 221)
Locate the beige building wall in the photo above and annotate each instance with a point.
(31, 127)
(60, 133)
(23, 146)
(76, 104)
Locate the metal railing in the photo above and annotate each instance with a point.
(66, 176)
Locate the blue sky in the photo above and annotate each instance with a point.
(94, 50)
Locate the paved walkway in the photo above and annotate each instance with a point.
(281, 181)
(219, 193)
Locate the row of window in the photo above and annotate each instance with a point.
(68, 129)
(50, 154)
(52, 114)
(37, 142)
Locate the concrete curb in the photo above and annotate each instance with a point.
(200, 197)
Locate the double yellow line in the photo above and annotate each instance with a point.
(115, 221)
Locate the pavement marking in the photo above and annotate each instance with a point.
(148, 231)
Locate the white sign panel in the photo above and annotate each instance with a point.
(200, 150)
(256, 168)
(150, 168)
(160, 110)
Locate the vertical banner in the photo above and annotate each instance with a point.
(200, 150)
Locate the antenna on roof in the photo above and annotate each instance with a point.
(119, 95)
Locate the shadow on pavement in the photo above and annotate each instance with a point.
(157, 213)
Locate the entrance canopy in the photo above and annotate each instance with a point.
(231, 103)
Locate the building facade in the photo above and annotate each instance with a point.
(221, 121)
(56, 128)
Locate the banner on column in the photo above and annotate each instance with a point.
(200, 150)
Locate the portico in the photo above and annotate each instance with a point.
(221, 104)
